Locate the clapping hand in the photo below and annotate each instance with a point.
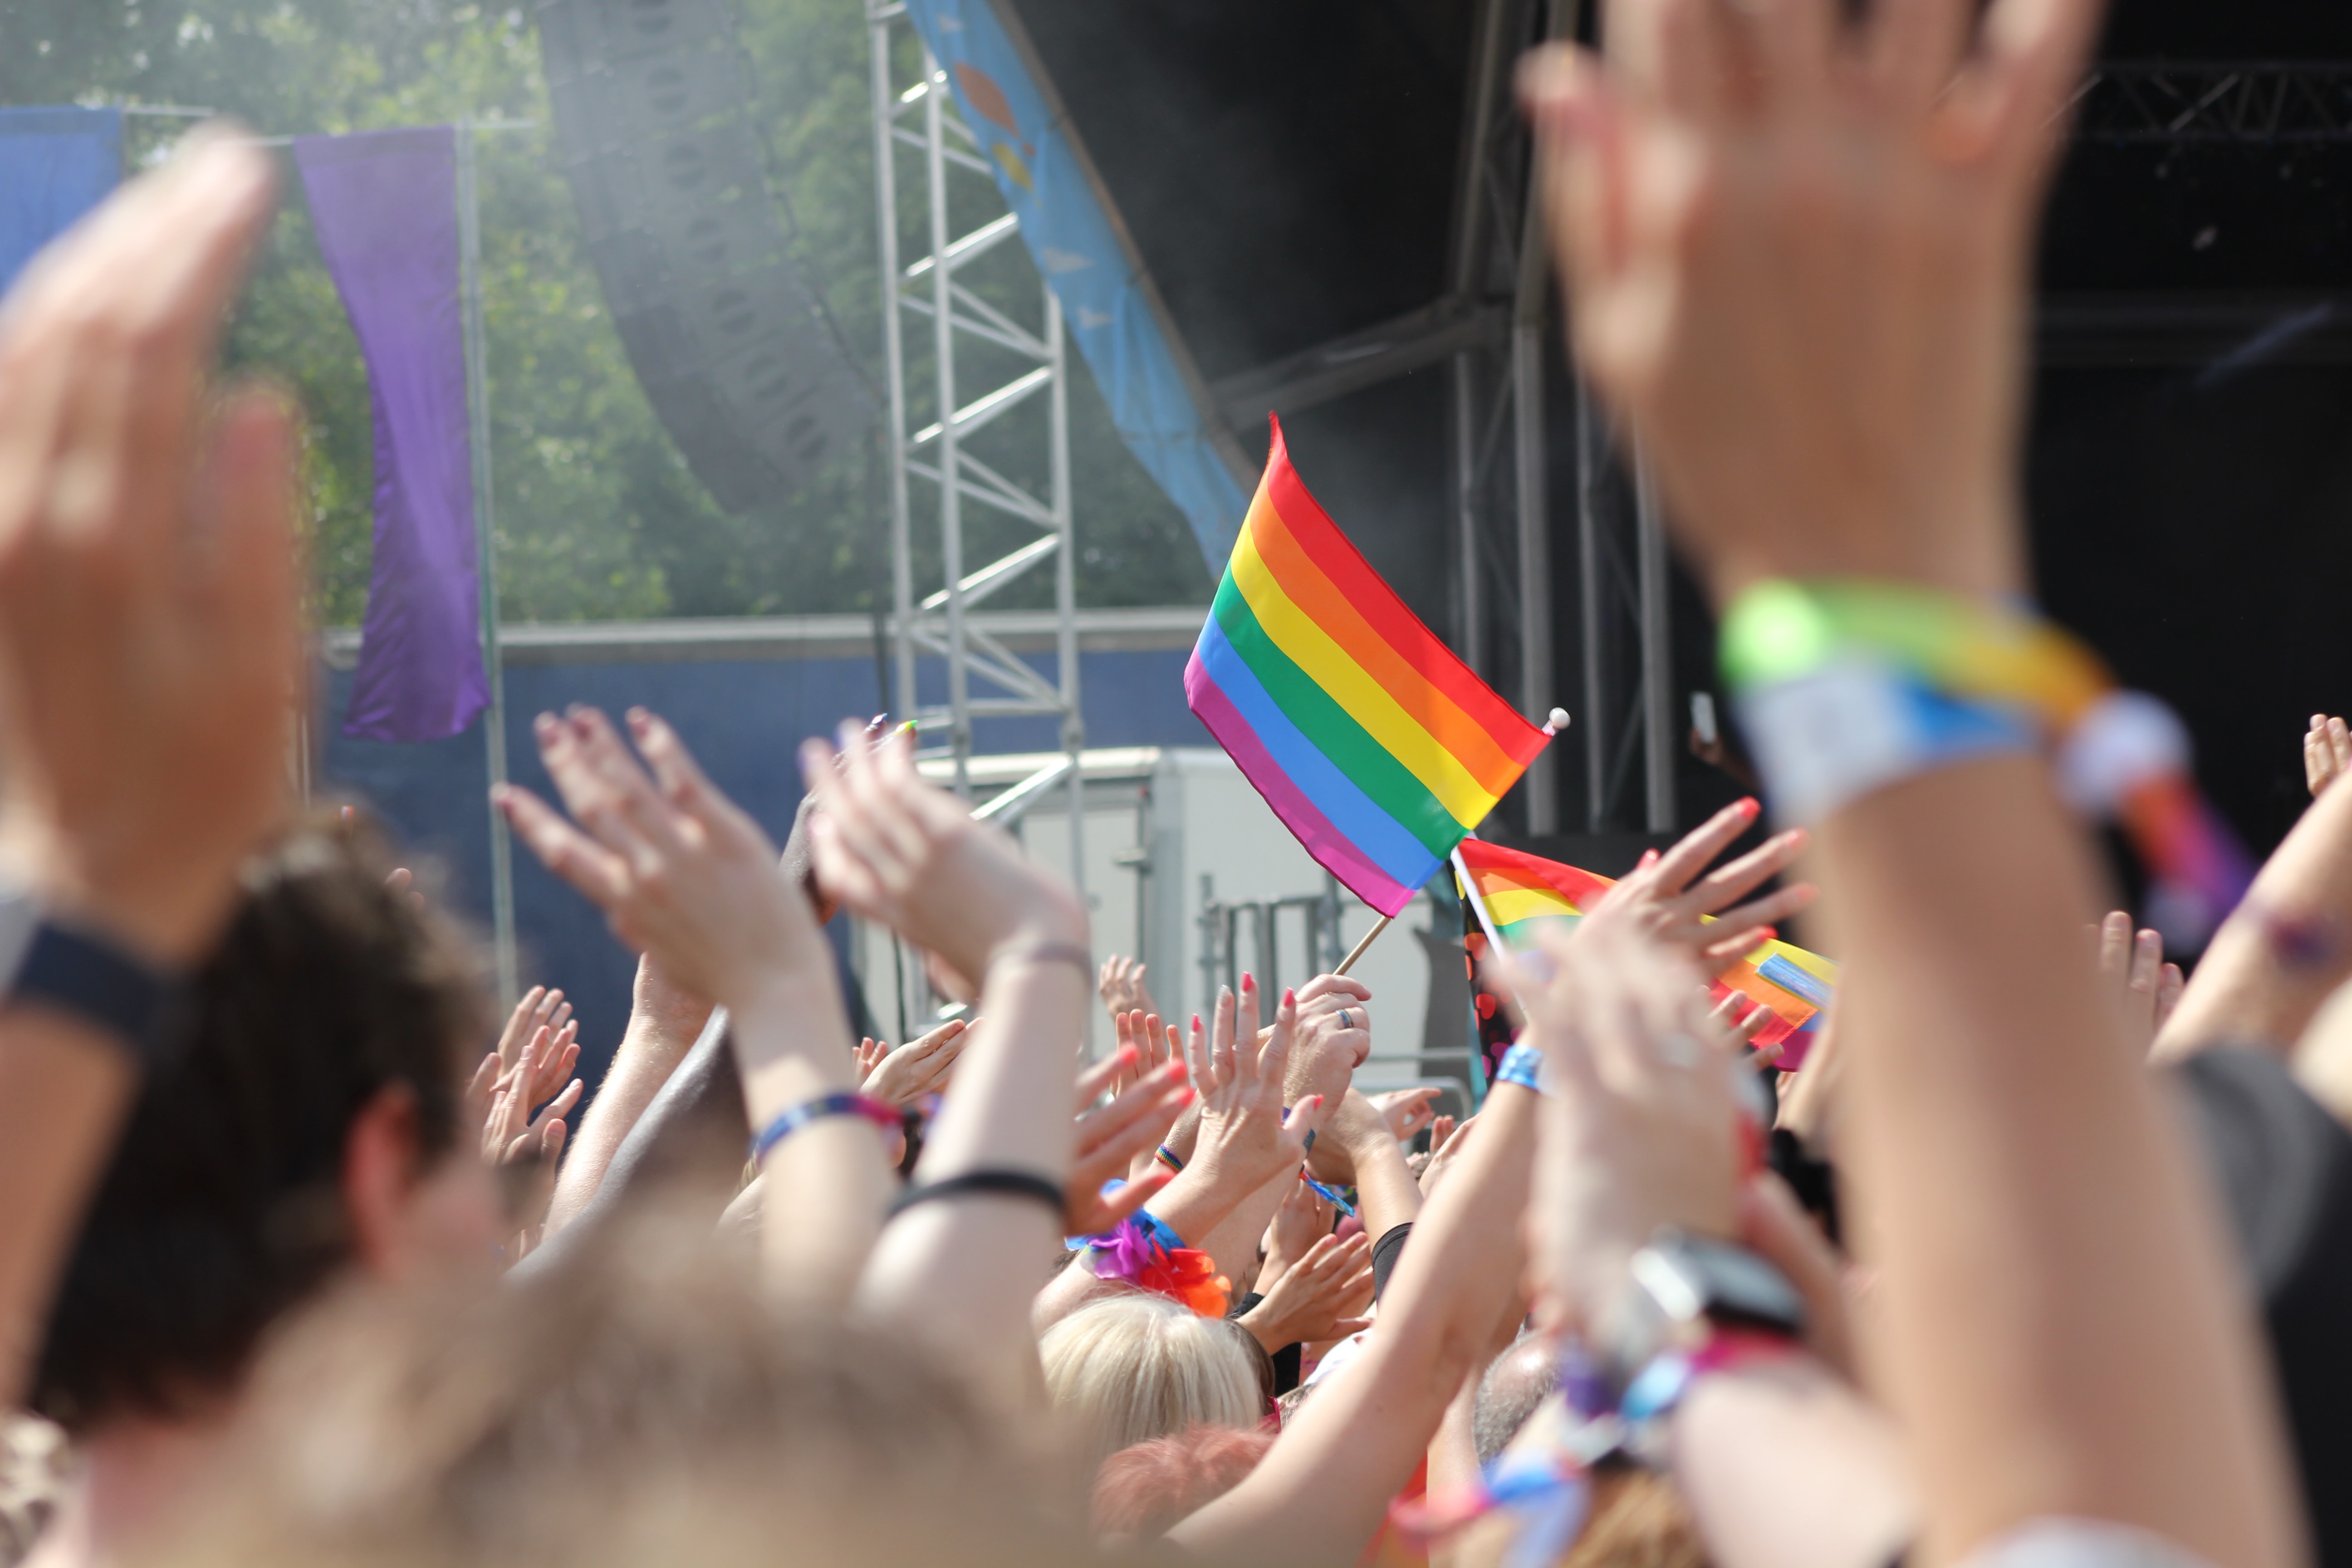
(2326, 752)
(2136, 975)
(150, 660)
(1111, 1136)
(1243, 1135)
(1668, 900)
(901, 851)
(1319, 1298)
(920, 1066)
(682, 873)
(1120, 985)
(1407, 1110)
(1153, 1041)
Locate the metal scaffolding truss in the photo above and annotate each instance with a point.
(1495, 387)
(917, 123)
(1498, 439)
(2247, 102)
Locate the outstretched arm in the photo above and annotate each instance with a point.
(1839, 231)
(149, 656)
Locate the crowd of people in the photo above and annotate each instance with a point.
(2034, 1262)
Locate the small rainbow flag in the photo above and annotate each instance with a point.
(1520, 892)
(1371, 742)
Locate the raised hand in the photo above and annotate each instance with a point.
(1668, 900)
(1793, 249)
(901, 851)
(541, 1008)
(1242, 1137)
(920, 1066)
(1334, 1037)
(1644, 1129)
(2145, 986)
(2326, 752)
(1120, 985)
(682, 873)
(151, 662)
(1303, 1218)
(1318, 1297)
(1407, 1110)
(1110, 1135)
(1152, 1042)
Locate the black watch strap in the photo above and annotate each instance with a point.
(88, 977)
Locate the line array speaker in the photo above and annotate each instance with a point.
(654, 128)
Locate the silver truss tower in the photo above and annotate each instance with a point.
(1502, 521)
(927, 314)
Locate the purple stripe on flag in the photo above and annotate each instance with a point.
(1332, 849)
(384, 203)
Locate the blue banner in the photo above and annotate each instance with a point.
(1070, 236)
(55, 166)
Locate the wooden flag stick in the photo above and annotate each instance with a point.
(1350, 962)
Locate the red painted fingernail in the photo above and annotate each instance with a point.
(1177, 1069)
(1196, 1023)
(1289, 996)
(1184, 1097)
(1249, 982)
(1748, 805)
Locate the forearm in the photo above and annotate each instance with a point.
(64, 1091)
(1322, 1490)
(1234, 1241)
(656, 1040)
(2243, 993)
(960, 1275)
(1386, 1194)
(2065, 1340)
(826, 1182)
(1835, 1494)
(1453, 1463)
(690, 1138)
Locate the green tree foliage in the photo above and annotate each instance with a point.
(598, 516)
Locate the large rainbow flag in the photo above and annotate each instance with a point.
(1521, 893)
(1371, 742)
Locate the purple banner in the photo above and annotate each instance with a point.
(384, 203)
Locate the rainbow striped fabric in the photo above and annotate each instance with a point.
(1520, 892)
(1371, 742)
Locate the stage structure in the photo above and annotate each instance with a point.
(923, 303)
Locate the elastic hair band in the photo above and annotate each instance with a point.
(793, 1118)
(982, 1183)
(1072, 952)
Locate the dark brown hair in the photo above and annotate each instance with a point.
(223, 1206)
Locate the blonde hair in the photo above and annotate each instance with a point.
(1141, 1366)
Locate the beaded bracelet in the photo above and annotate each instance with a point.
(1848, 686)
(793, 1118)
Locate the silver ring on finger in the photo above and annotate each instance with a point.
(1344, 1022)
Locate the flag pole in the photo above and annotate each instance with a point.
(1358, 951)
(477, 407)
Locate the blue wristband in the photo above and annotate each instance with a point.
(1158, 1230)
(1856, 725)
(1521, 1065)
(793, 1118)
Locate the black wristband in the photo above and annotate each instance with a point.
(97, 982)
(991, 1184)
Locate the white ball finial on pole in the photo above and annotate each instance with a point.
(1556, 721)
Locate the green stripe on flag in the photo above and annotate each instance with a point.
(1332, 731)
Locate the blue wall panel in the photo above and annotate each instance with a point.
(743, 719)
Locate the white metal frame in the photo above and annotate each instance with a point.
(920, 115)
